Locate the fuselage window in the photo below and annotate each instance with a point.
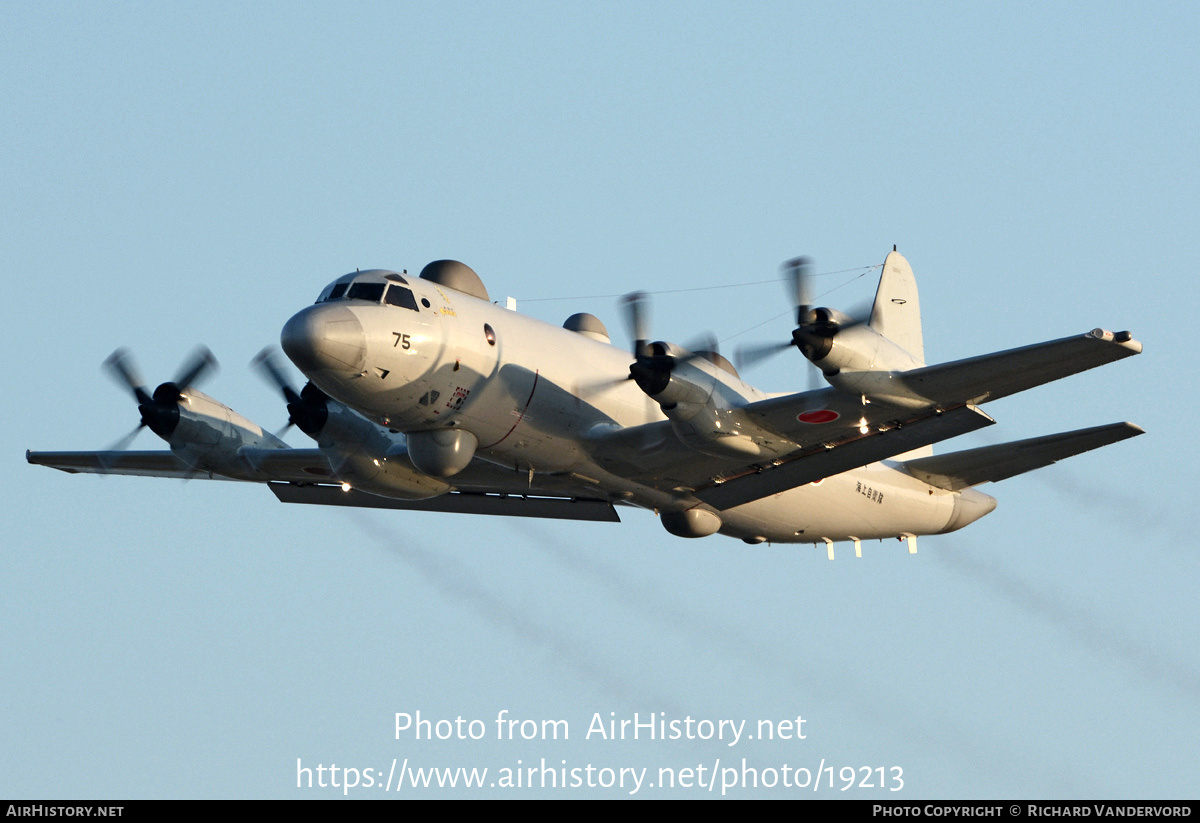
(372, 292)
(400, 296)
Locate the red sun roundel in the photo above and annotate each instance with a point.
(818, 416)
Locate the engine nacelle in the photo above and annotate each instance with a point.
(208, 435)
(693, 399)
(859, 360)
(857, 348)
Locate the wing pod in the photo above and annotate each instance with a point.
(697, 522)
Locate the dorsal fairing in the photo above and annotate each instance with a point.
(589, 325)
(896, 312)
(455, 275)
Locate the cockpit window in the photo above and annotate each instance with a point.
(331, 292)
(400, 296)
(372, 292)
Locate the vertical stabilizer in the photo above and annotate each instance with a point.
(896, 313)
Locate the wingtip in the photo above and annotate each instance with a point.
(1124, 339)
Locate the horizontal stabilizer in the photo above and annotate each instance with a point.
(991, 463)
(560, 508)
(820, 461)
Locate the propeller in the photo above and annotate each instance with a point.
(799, 271)
(815, 327)
(159, 411)
(307, 409)
(652, 364)
(637, 321)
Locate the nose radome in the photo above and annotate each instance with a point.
(325, 338)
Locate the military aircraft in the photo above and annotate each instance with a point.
(424, 395)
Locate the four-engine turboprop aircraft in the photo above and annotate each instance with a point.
(424, 395)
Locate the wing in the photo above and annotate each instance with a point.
(304, 476)
(256, 465)
(992, 376)
(822, 460)
(821, 433)
(831, 431)
(959, 470)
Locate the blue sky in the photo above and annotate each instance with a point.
(196, 172)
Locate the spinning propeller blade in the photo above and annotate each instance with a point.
(307, 409)
(160, 411)
(815, 327)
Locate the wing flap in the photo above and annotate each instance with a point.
(815, 463)
(988, 464)
(512, 505)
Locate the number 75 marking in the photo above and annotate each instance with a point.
(402, 340)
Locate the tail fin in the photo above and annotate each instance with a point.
(896, 313)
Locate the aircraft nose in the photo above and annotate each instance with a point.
(325, 338)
